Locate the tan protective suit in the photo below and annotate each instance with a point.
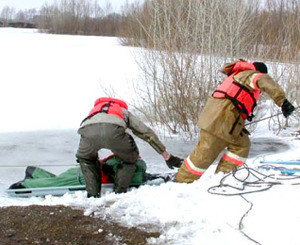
(218, 118)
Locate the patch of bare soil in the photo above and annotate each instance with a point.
(63, 225)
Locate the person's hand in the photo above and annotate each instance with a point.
(174, 161)
(287, 108)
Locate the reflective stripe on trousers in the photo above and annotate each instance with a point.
(234, 159)
(192, 168)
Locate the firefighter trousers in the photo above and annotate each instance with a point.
(206, 152)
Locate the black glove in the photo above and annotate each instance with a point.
(287, 108)
(174, 162)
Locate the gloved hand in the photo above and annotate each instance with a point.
(287, 108)
(174, 162)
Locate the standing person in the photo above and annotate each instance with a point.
(222, 120)
(105, 128)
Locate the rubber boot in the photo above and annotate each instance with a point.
(123, 177)
(92, 177)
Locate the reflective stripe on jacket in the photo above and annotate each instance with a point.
(219, 115)
(243, 98)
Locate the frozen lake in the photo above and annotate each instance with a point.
(58, 147)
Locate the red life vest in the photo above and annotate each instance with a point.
(108, 105)
(104, 177)
(243, 98)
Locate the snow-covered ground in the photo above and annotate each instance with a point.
(49, 83)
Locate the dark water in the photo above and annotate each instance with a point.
(266, 146)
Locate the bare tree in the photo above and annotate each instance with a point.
(188, 41)
(71, 17)
(7, 14)
(179, 69)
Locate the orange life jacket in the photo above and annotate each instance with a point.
(109, 106)
(243, 98)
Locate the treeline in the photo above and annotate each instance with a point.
(228, 28)
(79, 17)
(268, 29)
(9, 17)
(75, 17)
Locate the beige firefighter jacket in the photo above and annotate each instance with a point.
(219, 115)
(130, 122)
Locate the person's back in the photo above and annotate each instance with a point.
(105, 127)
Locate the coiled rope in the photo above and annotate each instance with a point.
(261, 182)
